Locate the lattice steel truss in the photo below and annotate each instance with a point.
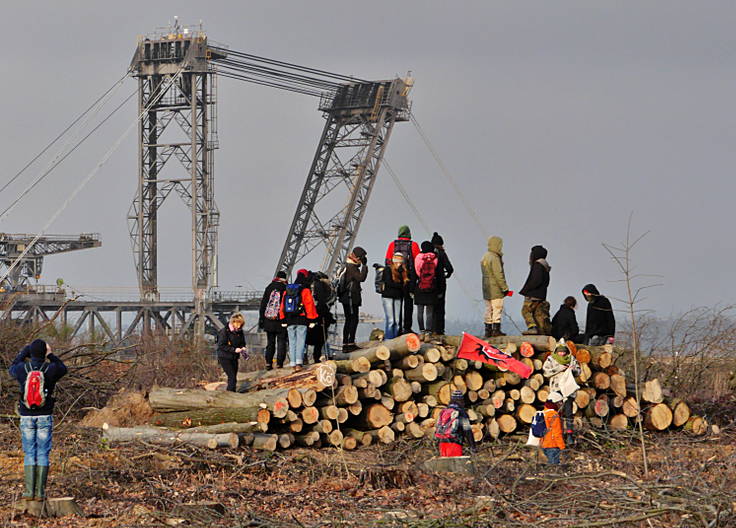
(360, 118)
(177, 98)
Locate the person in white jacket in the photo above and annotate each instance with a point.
(561, 368)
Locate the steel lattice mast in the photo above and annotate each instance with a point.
(177, 86)
(360, 117)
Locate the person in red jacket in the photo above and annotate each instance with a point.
(409, 250)
(298, 312)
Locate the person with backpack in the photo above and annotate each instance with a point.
(230, 345)
(323, 295)
(495, 288)
(409, 250)
(395, 280)
(552, 442)
(425, 294)
(37, 371)
(535, 309)
(444, 271)
(269, 321)
(600, 324)
(453, 427)
(349, 294)
(558, 366)
(564, 322)
(297, 313)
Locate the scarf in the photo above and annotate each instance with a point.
(562, 360)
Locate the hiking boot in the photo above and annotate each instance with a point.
(269, 367)
(297, 368)
(497, 330)
(489, 331)
(29, 479)
(42, 473)
(531, 331)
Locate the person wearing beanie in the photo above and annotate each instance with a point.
(600, 324)
(552, 443)
(535, 309)
(453, 427)
(564, 322)
(269, 320)
(349, 294)
(444, 271)
(395, 285)
(36, 417)
(298, 313)
(559, 365)
(409, 250)
(495, 288)
(425, 294)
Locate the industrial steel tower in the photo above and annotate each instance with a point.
(177, 92)
(360, 117)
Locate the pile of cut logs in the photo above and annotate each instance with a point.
(398, 387)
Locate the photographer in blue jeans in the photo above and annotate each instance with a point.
(37, 371)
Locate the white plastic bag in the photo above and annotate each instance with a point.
(533, 440)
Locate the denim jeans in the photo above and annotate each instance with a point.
(297, 343)
(552, 454)
(35, 434)
(392, 310)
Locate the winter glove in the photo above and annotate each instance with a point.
(312, 325)
(284, 325)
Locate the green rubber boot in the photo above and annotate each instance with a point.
(42, 473)
(29, 477)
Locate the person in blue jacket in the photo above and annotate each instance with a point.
(36, 419)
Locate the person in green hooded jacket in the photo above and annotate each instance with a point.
(495, 288)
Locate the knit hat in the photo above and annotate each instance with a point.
(554, 397)
(404, 232)
(38, 349)
(281, 275)
(457, 396)
(427, 247)
(359, 252)
(303, 273)
(437, 240)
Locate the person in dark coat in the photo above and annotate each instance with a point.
(600, 324)
(349, 294)
(409, 249)
(564, 323)
(425, 294)
(444, 271)
(322, 294)
(395, 285)
(36, 421)
(535, 310)
(271, 322)
(230, 344)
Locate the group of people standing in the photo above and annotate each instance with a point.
(600, 324)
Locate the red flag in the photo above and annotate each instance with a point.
(475, 349)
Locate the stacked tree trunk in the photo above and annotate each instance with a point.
(398, 388)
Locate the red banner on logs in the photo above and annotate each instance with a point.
(474, 349)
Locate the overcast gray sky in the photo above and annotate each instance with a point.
(557, 119)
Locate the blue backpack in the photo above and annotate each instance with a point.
(539, 425)
(293, 299)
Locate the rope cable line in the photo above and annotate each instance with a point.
(92, 173)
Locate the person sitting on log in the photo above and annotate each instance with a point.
(425, 296)
(444, 272)
(268, 321)
(564, 322)
(600, 324)
(297, 313)
(552, 442)
(453, 427)
(230, 344)
(558, 367)
(535, 309)
(37, 370)
(495, 288)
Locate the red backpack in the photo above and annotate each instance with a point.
(427, 272)
(34, 390)
(447, 424)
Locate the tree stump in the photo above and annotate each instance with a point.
(462, 465)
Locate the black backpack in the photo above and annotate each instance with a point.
(378, 282)
(404, 248)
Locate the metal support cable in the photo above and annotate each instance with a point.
(278, 74)
(58, 160)
(443, 168)
(63, 132)
(93, 172)
(280, 86)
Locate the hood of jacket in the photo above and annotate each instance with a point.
(591, 289)
(495, 245)
(544, 263)
(538, 252)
